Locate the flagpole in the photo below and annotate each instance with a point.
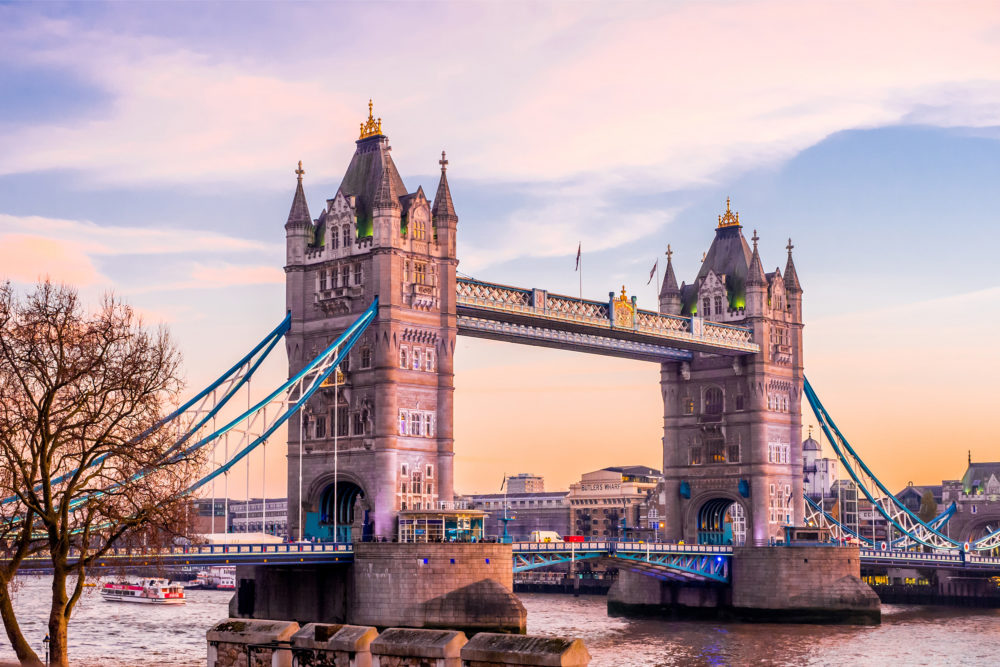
(656, 289)
(581, 272)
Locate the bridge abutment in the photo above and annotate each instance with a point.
(424, 585)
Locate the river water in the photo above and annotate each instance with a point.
(115, 635)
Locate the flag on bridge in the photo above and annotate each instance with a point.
(652, 271)
(579, 246)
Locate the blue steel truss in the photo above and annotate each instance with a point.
(912, 529)
(693, 562)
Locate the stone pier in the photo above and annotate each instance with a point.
(795, 584)
(436, 585)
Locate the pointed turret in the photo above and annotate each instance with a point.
(299, 213)
(791, 277)
(443, 208)
(443, 215)
(386, 195)
(755, 274)
(298, 228)
(670, 294)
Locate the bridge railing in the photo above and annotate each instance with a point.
(222, 550)
(556, 307)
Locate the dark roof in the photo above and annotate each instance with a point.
(978, 474)
(729, 255)
(791, 277)
(810, 444)
(669, 287)
(919, 491)
(370, 164)
(516, 496)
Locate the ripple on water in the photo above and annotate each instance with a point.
(102, 634)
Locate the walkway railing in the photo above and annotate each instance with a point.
(553, 310)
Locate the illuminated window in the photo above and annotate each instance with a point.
(716, 450)
(688, 405)
(402, 429)
(420, 273)
(694, 456)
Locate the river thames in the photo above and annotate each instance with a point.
(106, 634)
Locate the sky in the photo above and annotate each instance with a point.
(149, 149)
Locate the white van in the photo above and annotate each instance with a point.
(545, 536)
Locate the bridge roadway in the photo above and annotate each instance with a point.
(683, 562)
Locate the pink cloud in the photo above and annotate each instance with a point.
(25, 258)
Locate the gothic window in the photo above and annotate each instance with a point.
(713, 401)
(342, 424)
(733, 455)
(320, 427)
(718, 305)
(428, 425)
(345, 275)
(429, 472)
(404, 360)
(694, 456)
(359, 423)
(347, 236)
(420, 271)
(740, 402)
(402, 428)
(688, 405)
(429, 361)
(716, 450)
(419, 227)
(406, 271)
(322, 280)
(417, 358)
(404, 470)
(366, 357)
(358, 273)
(706, 305)
(416, 424)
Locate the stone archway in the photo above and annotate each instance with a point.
(981, 528)
(719, 520)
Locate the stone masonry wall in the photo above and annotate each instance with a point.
(439, 585)
(803, 583)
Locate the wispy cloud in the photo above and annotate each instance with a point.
(33, 247)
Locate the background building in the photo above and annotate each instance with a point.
(200, 516)
(248, 516)
(546, 510)
(977, 499)
(525, 482)
(607, 501)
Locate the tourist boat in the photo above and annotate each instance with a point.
(147, 591)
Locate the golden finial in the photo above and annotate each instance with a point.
(703, 256)
(623, 297)
(730, 218)
(300, 171)
(372, 127)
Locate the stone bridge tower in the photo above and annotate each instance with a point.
(391, 412)
(732, 458)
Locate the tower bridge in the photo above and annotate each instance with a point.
(381, 441)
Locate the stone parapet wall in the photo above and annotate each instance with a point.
(332, 645)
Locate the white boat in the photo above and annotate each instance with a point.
(221, 577)
(147, 591)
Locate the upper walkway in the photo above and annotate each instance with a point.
(615, 327)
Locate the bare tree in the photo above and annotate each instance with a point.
(85, 458)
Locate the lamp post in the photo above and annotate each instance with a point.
(45, 643)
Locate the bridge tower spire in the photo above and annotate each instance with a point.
(670, 294)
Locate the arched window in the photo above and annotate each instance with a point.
(347, 236)
(713, 401)
(706, 306)
(718, 305)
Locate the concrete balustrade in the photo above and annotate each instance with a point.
(238, 642)
(325, 645)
